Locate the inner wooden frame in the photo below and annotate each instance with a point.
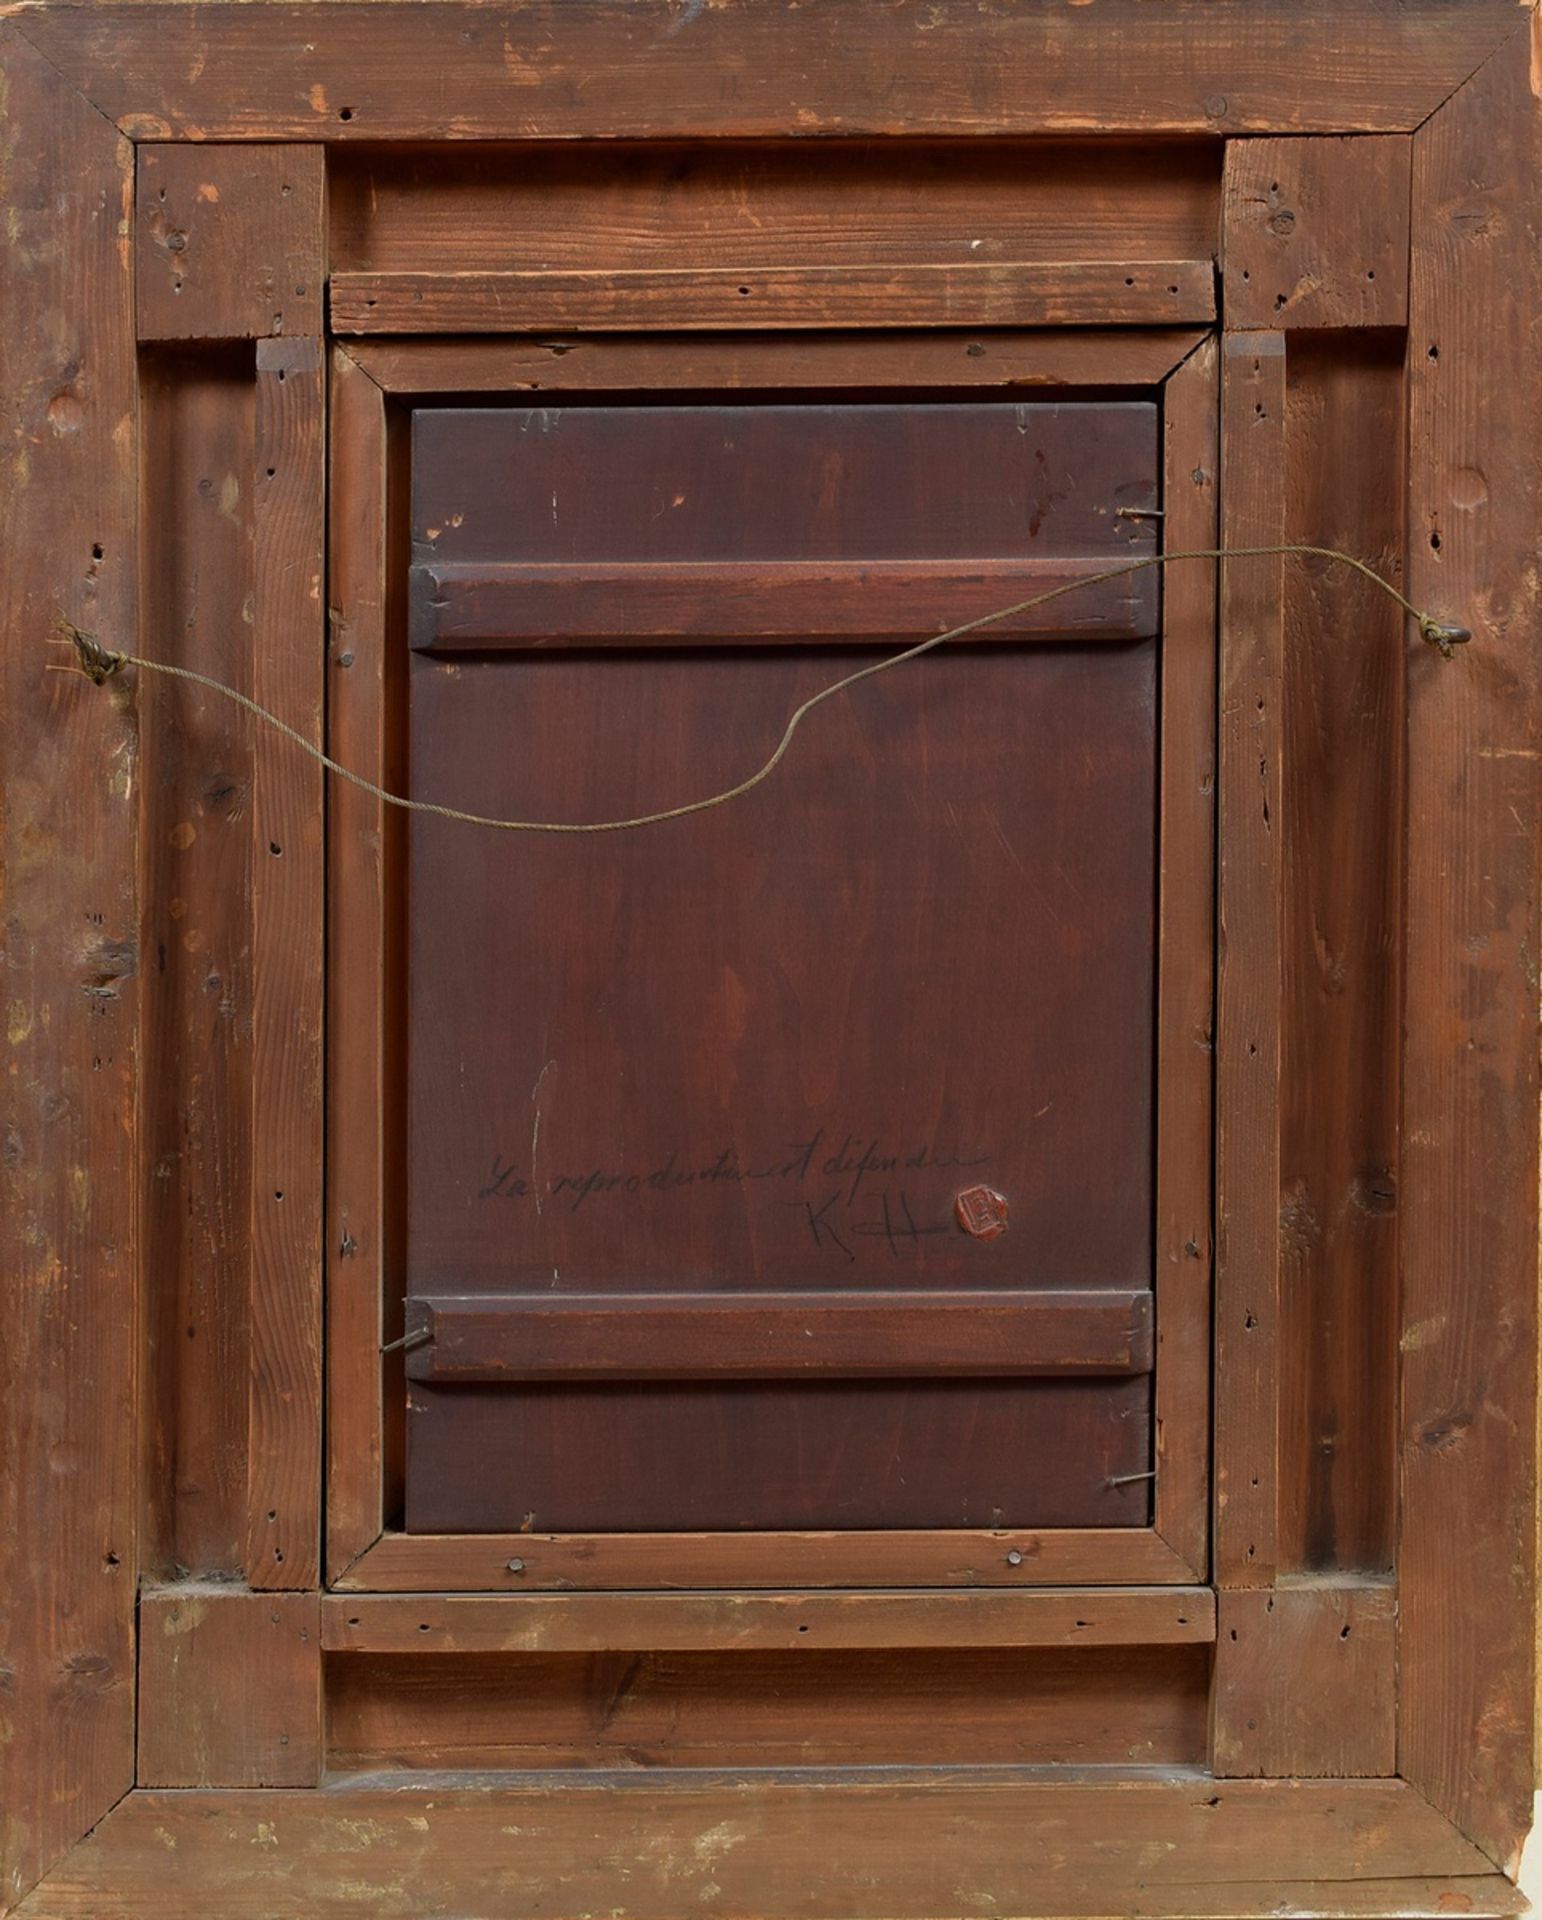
(374, 385)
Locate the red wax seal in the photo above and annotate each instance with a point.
(982, 1212)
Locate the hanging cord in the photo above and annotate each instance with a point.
(100, 663)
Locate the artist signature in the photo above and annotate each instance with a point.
(859, 1161)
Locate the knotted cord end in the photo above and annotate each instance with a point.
(96, 662)
(1440, 633)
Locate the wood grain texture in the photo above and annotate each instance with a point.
(1186, 960)
(356, 71)
(197, 428)
(580, 363)
(361, 1221)
(906, 1847)
(1250, 981)
(1341, 934)
(636, 1622)
(1316, 232)
(760, 1336)
(599, 1562)
(1310, 1682)
(283, 1519)
(622, 206)
(69, 846)
(852, 1708)
(493, 607)
(229, 245)
(229, 1688)
(1470, 1073)
(1004, 293)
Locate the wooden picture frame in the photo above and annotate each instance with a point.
(205, 203)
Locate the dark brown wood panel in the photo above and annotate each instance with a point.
(747, 1336)
(851, 1453)
(357, 71)
(1006, 293)
(691, 982)
(849, 1707)
(831, 481)
(70, 1248)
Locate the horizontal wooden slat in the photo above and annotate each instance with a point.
(414, 70)
(652, 363)
(985, 294)
(749, 1336)
(466, 605)
(681, 1622)
(900, 1842)
(894, 1558)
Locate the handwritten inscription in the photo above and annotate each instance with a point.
(824, 1186)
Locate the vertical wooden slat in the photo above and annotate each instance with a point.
(69, 846)
(1248, 1006)
(1186, 1006)
(1470, 1007)
(288, 644)
(358, 1203)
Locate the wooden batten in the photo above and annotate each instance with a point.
(1163, 293)
(635, 1622)
(283, 1518)
(1252, 746)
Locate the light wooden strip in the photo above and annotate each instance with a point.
(815, 1845)
(1249, 988)
(283, 1518)
(602, 1562)
(639, 1622)
(1469, 1227)
(757, 1336)
(415, 70)
(1161, 293)
(358, 1220)
(1186, 962)
(589, 363)
(461, 605)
